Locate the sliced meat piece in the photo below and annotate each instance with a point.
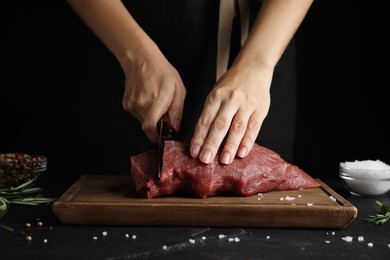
(261, 171)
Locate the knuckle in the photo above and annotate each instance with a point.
(231, 145)
(236, 94)
(212, 143)
(221, 123)
(237, 126)
(253, 125)
(205, 119)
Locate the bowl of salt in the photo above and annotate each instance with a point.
(367, 178)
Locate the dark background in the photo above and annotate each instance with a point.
(342, 113)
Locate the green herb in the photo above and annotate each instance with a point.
(381, 217)
(22, 195)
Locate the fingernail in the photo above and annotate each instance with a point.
(195, 150)
(205, 156)
(225, 158)
(242, 152)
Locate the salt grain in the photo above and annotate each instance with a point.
(360, 238)
(192, 241)
(332, 198)
(94, 238)
(268, 237)
(104, 233)
(327, 241)
(347, 238)
(289, 198)
(221, 236)
(133, 236)
(236, 239)
(370, 244)
(45, 241)
(231, 239)
(309, 204)
(127, 235)
(203, 238)
(165, 247)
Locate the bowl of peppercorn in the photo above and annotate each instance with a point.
(19, 168)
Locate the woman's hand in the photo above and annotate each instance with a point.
(234, 110)
(153, 88)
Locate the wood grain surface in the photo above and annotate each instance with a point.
(111, 200)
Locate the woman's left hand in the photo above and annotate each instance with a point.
(234, 110)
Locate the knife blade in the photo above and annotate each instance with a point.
(164, 134)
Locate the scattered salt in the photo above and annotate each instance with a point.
(221, 236)
(127, 235)
(309, 204)
(388, 245)
(133, 236)
(94, 238)
(327, 241)
(333, 233)
(360, 238)
(370, 244)
(165, 247)
(299, 196)
(203, 238)
(268, 237)
(45, 240)
(281, 198)
(192, 241)
(231, 239)
(347, 238)
(332, 198)
(289, 198)
(104, 233)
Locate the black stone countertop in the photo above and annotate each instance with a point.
(77, 242)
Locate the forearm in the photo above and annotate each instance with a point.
(275, 25)
(115, 27)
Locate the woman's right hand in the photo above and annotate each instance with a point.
(153, 88)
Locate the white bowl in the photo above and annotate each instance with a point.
(366, 182)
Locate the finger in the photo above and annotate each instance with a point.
(153, 115)
(175, 111)
(235, 135)
(202, 127)
(251, 133)
(217, 133)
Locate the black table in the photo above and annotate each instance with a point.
(128, 242)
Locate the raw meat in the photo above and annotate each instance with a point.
(261, 171)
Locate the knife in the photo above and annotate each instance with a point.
(164, 134)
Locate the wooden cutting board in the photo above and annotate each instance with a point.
(111, 200)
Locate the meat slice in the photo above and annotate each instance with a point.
(261, 171)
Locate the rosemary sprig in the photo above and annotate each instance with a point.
(22, 195)
(381, 217)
